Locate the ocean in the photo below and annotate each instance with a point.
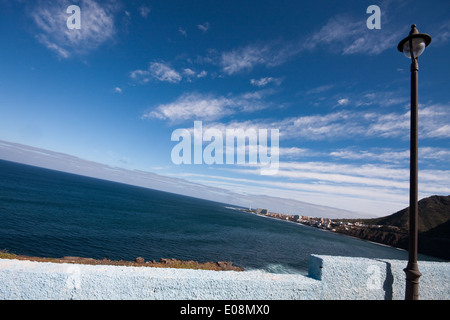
(48, 213)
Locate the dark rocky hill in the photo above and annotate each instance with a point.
(434, 212)
(434, 228)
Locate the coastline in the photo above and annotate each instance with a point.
(378, 235)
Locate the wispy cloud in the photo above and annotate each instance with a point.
(343, 101)
(262, 82)
(190, 74)
(196, 106)
(351, 124)
(182, 31)
(193, 106)
(433, 123)
(203, 27)
(243, 59)
(378, 155)
(376, 179)
(381, 98)
(202, 74)
(336, 125)
(159, 71)
(379, 182)
(246, 58)
(141, 76)
(97, 26)
(395, 156)
(144, 11)
(441, 33)
(433, 153)
(348, 35)
(320, 89)
(162, 72)
(341, 34)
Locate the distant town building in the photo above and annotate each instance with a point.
(262, 211)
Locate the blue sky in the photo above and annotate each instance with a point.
(114, 91)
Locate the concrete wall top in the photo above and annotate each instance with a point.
(44, 280)
(330, 278)
(362, 278)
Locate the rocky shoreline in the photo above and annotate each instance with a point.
(431, 246)
(434, 226)
(138, 262)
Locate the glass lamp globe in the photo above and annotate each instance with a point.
(418, 42)
(418, 46)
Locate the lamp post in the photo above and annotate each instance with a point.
(413, 46)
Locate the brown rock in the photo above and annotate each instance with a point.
(225, 265)
(139, 260)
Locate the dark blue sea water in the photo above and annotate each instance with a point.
(48, 213)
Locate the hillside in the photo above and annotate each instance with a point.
(433, 223)
(434, 212)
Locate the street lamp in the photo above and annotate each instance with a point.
(413, 46)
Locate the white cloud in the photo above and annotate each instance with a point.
(157, 70)
(319, 89)
(297, 152)
(389, 155)
(242, 59)
(342, 34)
(441, 132)
(345, 35)
(141, 76)
(118, 90)
(246, 58)
(379, 187)
(262, 82)
(61, 52)
(190, 74)
(203, 27)
(163, 72)
(380, 155)
(389, 125)
(144, 11)
(350, 124)
(202, 74)
(433, 153)
(442, 33)
(433, 123)
(319, 188)
(195, 106)
(382, 98)
(343, 102)
(370, 174)
(182, 31)
(366, 182)
(97, 26)
(318, 127)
